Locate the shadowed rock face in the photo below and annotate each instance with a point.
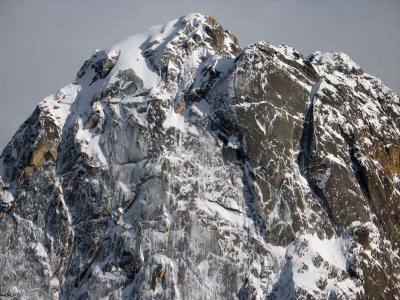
(179, 166)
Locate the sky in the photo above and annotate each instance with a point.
(43, 43)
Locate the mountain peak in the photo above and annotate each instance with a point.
(156, 46)
(178, 166)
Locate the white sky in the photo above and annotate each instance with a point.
(43, 43)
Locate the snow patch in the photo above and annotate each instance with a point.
(174, 120)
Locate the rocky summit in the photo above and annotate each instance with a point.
(179, 165)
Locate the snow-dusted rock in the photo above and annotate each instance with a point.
(179, 166)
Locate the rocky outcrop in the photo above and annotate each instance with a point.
(179, 166)
(98, 66)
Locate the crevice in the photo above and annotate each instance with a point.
(250, 195)
(138, 192)
(225, 207)
(308, 140)
(359, 174)
(248, 177)
(308, 148)
(132, 162)
(357, 168)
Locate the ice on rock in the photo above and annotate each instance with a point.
(6, 197)
(39, 250)
(179, 166)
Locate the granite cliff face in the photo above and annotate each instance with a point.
(180, 166)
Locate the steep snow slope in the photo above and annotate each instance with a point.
(179, 166)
